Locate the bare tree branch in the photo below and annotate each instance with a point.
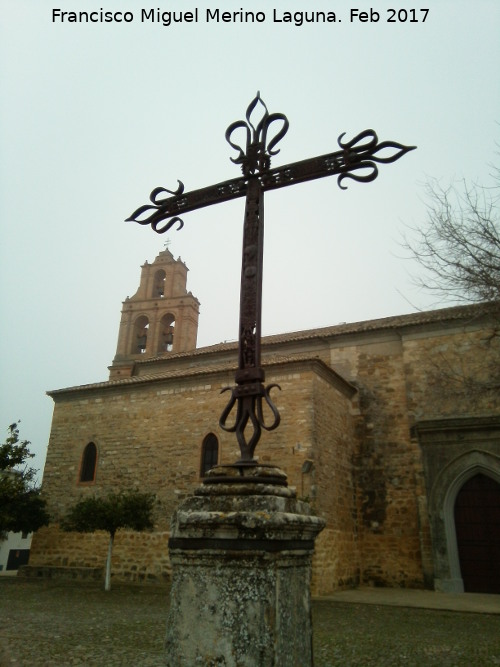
(459, 247)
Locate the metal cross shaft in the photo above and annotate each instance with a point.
(250, 391)
(357, 160)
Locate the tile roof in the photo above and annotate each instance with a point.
(224, 367)
(441, 316)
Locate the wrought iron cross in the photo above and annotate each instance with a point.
(356, 160)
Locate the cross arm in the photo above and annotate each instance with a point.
(180, 202)
(357, 160)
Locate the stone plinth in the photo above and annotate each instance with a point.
(241, 568)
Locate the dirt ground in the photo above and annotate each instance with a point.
(61, 624)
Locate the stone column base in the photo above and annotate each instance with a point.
(241, 570)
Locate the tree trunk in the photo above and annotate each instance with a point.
(107, 579)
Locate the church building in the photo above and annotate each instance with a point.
(390, 429)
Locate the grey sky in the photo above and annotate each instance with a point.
(94, 116)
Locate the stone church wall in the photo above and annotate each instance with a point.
(453, 372)
(139, 443)
(453, 376)
(137, 557)
(348, 445)
(337, 558)
(386, 464)
(148, 437)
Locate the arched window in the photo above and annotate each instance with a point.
(89, 462)
(209, 453)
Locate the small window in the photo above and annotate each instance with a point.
(89, 461)
(209, 453)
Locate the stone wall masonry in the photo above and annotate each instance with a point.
(149, 437)
(387, 464)
(453, 373)
(389, 560)
(137, 557)
(364, 471)
(336, 560)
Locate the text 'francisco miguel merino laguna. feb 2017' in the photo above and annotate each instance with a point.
(206, 15)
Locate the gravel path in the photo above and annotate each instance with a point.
(64, 624)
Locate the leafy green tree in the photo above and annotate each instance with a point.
(117, 510)
(21, 507)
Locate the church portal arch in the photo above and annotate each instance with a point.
(477, 526)
(447, 487)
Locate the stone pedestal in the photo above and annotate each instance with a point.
(241, 568)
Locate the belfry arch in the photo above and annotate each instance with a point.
(166, 336)
(159, 284)
(140, 335)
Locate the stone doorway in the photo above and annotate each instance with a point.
(477, 526)
(456, 451)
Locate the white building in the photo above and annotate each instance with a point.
(14, 552)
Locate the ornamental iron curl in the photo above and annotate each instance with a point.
(157, 209)
(357, 160)
(356, 155)
(249, 411)
(257, 156)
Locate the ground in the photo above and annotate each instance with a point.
(62, 624)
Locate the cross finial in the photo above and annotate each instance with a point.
(255, 158)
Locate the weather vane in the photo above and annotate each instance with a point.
(357, 160)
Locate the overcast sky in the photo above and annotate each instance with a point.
(93, 116)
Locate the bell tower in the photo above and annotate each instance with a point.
(160, 319)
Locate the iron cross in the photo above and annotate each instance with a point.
(357, 160)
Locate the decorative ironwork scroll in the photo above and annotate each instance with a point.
(357, 160)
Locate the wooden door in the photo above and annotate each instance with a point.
(477, 523)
